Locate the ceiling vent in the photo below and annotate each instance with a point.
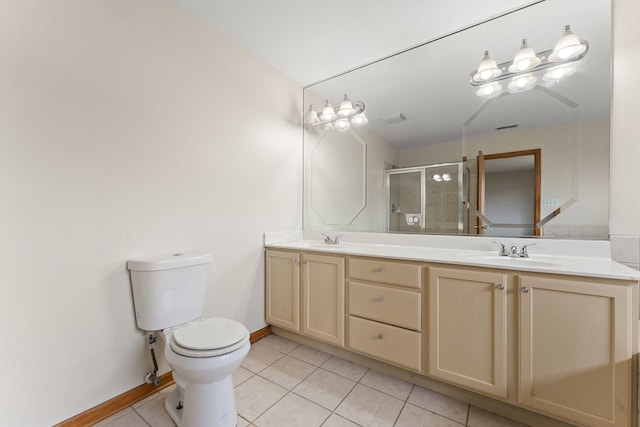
(506, 127)
(393, 118)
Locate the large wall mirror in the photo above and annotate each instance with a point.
(534, 158)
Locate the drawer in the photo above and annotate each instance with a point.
(395, 306)
(397, 273)
(390, 343)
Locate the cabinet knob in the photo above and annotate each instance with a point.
(379, 269)
(524, 290)
(305, 262)
(380, 336)
(380, 298)
(500, 287)
(295, 261)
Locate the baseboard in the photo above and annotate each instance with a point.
(128, 398)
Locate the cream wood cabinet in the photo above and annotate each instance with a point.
(385, 310)
(575, 346)
(467, 328)
(323, 297)
(309, 300)
(282, 282)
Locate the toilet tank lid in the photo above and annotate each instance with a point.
(169, 261)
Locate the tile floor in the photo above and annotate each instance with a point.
(284, 384)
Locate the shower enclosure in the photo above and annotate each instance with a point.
(426, 199)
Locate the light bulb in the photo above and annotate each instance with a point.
(346, 107)
(558, 73)
(328, 112)
(522, 83)
(490, 90)
(359, 120)
(437, 178)
(342, 125)
(568, 47)
(312, 116)
(446, 177)
(488, 69)
(525, 59)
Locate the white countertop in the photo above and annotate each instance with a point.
(602, 267)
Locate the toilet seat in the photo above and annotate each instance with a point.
(209, 337)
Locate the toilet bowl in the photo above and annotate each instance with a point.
(203, 355)
(169, 293)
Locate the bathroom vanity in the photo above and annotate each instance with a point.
(554, 335)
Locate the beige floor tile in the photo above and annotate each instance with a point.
(412, 416)
(440, 404)
(124, 418)
(259, 357)
(337, 421)
(242, 422)
(325, 388)
(345, 368)
(369, 407)
(293, 411)
(278, 343)
(387, 384)
(310, 355)
(162, 392)
(154, 413)
(240, 375)
(255, 396)
(481, 418)
(288, 372)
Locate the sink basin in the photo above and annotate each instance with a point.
(318, 245)
(515, 262)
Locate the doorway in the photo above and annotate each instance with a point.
(508, 190)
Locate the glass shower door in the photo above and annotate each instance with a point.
(405, 196)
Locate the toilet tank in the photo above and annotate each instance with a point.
(169, 290)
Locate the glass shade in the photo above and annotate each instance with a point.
(568, 47)
(346, 107)
(522, 83)
(525, 59)
(487, 70)
(328, 112)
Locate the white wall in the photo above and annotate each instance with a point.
(625, 140)
(126, 129)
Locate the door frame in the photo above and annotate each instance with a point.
(537, 183)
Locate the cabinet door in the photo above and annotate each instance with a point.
(575, 350)
(323, 298)
(468, 329)
(283, 289)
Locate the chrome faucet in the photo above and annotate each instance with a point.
(503, 249)
(332, 240)
(513, 250)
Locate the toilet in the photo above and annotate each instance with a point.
(168, 294)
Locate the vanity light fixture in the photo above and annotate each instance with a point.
(341, 118)
(559, 61)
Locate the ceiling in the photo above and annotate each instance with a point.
(310, 41)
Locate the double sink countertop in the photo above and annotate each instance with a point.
(601, 267)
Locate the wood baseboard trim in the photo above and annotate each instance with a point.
(118, 403)
(135, 395)
(260, 333)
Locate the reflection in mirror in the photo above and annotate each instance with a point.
(423, 111)
(338, 177)
(426, 199)
(508, 191)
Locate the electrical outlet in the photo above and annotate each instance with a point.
(550, 203)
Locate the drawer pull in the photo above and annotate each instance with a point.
(380, 336)
(500, 287)
(524, 290)
(379, 270)
(380, 298)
